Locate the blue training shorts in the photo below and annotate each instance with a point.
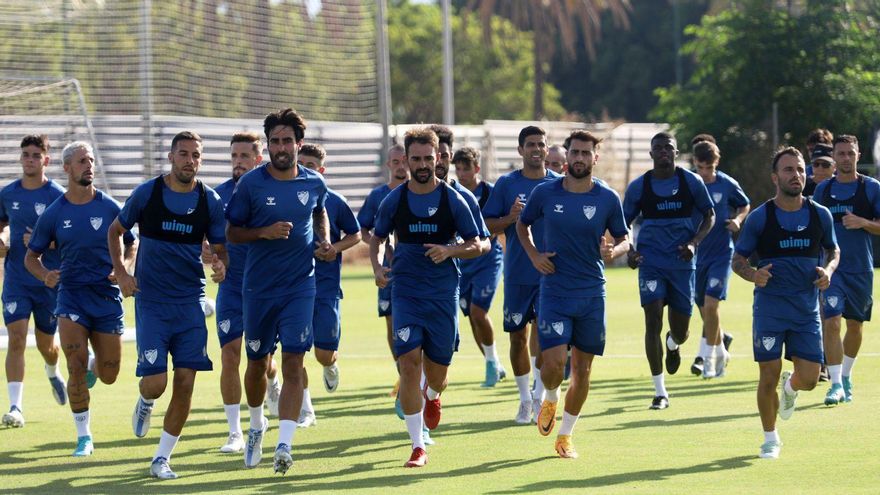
(230, 323)
(850, 295)
(286, 319)
(95, 311)
(802, 339)
(178, 329)
(478, 288)
(711, 280)
(576, 321)
(19, 301)
(520, 306)
(431, 324)
(326, 323)
(674, 287)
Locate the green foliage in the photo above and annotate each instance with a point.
(491, 81)
(821, 67)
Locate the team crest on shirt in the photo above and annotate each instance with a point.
(151, 355)
(713, 282)
(383, 304)
(717, 197)
(303, 197)
(589, 211)
(190, 210)
(39, 208)
(11, 306)
(768, 342)
(403, 334)
(801, 227)
(462, 302)
(224, 326)
(832, 301)
(96, 222)
(675, 191)
(516, 317)
(15, 205)
(432, 210)
(558, 327)
(254, 345)
(651, 285)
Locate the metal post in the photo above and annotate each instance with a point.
(383, 76)
(448, 85)
(676, 32)
(146, 76)
(775, 125)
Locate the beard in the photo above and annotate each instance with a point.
(85, 181)
(183, 178)
(579, 172)
(422, 175)
(282, 160)
(441, 171)
(791, 190)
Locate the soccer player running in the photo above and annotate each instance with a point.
(480, 276)
(21, 203)
(327, 320)
(789, 233)
(677, 214)
(426, 214)
(714, 254)
(555, 160)
(521, 279)
(89, 302)
(577, 210)
(245, 154)
(174, 212)
(399, 172)
(854, 202)
(278, 209)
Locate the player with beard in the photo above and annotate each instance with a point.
(577, 210)
(790, 234)
(89, 302)
(677, 214)
(521, 279)
(366, 217)
(245, 154)
(427, 215)
(278, 210)
(174, 214)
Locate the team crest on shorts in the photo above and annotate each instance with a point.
(151, 355)
(224, 326)
(254, 345)
(11, 307)
(516, 317)
(832, 301)
(651, 285)
(304, 335)
(462, 302)
(73, 317)
(96, 222)
(768, 342)
(717, 197)
(713, 282)
(432, 210)
(39, 208)
(383, 304)
(558, 327)
(589, 211)
(303, 197)
(403, 334)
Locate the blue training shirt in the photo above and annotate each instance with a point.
(329, 274)
(496, 252)
(574, 224)
(80, 236)
(366, 217)
(727, 196)
(278, 267)
(413, 273)
(518, 269)
(856, 245)
(21, 207)
(237, 252)
(172, 272)
(659, 239)
(790, 293)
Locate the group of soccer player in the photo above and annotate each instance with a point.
(273, 235)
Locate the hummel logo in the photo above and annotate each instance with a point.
(67, 224)
(522, 197)
(557, 209)
(15, 205)
(270, 201)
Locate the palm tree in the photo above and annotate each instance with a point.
(549, 21)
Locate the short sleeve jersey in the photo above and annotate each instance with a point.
(237, 252)
(21, 207)
(856, 245)
(727, 196)
(342, 221)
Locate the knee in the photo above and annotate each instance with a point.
(409, 365)
(152, 387)
(184, 383)
(809, 382)
(230, 357)
(518, 339)
(258, 366)
(325, 357)
(18, 342)
(108, 377)
(76, 365)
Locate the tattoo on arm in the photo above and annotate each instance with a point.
(741, 267)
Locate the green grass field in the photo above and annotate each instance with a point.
(706, 442)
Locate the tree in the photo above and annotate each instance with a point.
(820, 64)
(549, 21)
(490, 82)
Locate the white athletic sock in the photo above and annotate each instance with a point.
(539, 386)
(660, 386)
(307, 401)
(148, 402)
(286, 429)
(848, 363)
(714, 350)
(431, 394)
(233, 417)
(788, 388)
(422, 380)
(15, 392)
(534, 360)
(81, 420)
(704, 348)
(834, 372)
(273, 381)
(52, 370)
(551, 395)
(414, 428)
(568, 422)
(256, 417)
(670, 344)
(771, 436)
(522, 384)
(91, 363)
(490, 352)
(167, 442)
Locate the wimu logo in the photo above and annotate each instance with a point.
(836, 209)
(791, 242)
(668, 205)
(423, 228)
(174, 226)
